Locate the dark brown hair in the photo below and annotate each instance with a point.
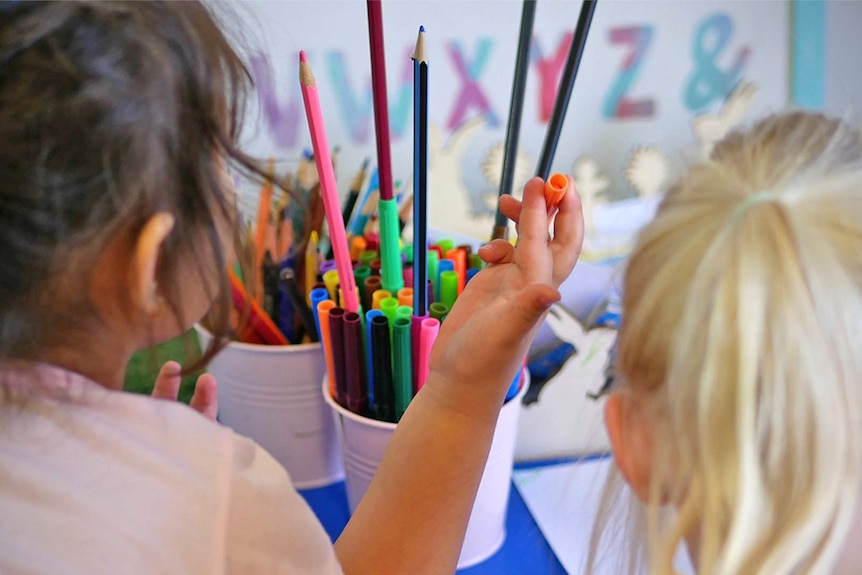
(109, 113)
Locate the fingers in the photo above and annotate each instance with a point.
(533, 221)
(497, 252)
(510, 207)
(568, 233)
(168, 381)
(205, 398)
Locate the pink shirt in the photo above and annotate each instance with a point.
(94, 481)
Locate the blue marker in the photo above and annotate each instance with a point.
(317, 296)
(369, 315)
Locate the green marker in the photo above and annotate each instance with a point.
(391, 276)
(448, 288)
(403, 311)
(407, 252)
(389, 306)
(433, 261)
(446, 245)
(403, 365)
(361, 273)
(476, 262)
(368, 256)
(438, 310)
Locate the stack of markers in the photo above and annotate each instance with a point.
(378, 360)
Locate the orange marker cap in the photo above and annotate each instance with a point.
(555, 189)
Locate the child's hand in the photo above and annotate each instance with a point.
(205, 398)
(486, 335)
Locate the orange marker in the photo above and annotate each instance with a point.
(555, 191)
(405, 296)
(357, 246)
(326, 341)
(459, 256)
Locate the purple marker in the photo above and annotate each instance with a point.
(354, 355)
(326, 266)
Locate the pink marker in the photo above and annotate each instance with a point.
(328, 188)
(427, 334)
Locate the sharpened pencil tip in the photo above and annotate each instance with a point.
(420, 54)
(306, 77)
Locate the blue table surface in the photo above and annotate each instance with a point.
(524, 550)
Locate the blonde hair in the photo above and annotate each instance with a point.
(742, 337)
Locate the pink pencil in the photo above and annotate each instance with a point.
(328, 189)
(427, 334)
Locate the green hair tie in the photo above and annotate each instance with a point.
(755, 198)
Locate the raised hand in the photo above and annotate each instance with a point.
(205, 398)
(486, 335)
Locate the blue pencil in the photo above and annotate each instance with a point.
(420, 175)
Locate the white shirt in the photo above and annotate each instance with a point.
(94, 481)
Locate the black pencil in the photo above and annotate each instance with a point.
(516, 107)
(567, 81)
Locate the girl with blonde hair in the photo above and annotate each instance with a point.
(736, 420)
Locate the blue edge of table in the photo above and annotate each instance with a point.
(524, 550)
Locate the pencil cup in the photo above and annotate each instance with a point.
(271, 394)
(364, 440)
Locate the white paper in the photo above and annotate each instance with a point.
(564, 500)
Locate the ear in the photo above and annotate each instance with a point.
(145, 257)
(630, 441)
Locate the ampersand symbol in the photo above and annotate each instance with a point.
(708, 82)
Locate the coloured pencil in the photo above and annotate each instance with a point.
(328, 189)
(567, 82)
(353, 194)
(311, 265)
(257, 318)
(516, 107)
(420, 174)
(404, 211)
(387, 207)
(264, 218)
(288, 279)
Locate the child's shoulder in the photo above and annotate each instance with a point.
(82, 461)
